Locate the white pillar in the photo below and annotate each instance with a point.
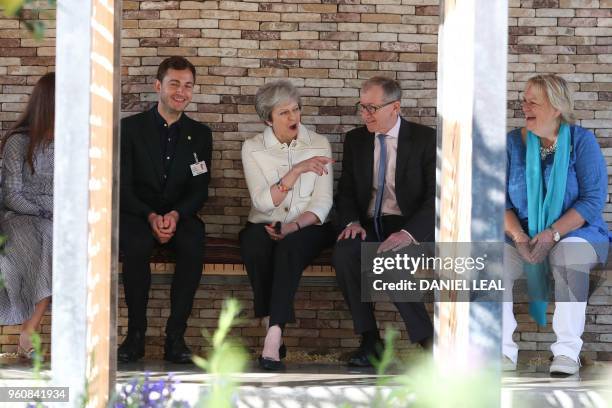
(84, 234)
(472, 67)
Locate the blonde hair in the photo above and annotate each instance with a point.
(558, 93)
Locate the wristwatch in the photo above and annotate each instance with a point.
(556, 235)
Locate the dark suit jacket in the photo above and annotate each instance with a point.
(415, 178)
(142, 185)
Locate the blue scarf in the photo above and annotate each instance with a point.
(543, 211)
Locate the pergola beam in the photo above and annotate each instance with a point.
(472, 67)
(85, 224)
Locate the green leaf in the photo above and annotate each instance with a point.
(11, 7)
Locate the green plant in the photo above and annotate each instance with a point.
(425, 385)
(15, 8)
(37, 356)
(37, 364)
(225, 360)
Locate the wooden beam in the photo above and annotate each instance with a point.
(472, 68)
(84, 238)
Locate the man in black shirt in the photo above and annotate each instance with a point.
(165, 164)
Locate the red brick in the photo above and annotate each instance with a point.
(524, 49)
(427, 11)
(545, 3)
(338, 36)
(180, 32)
(341, 17)
(378, 56)
(577, 22)
(516, 30)
(592, 50)
(260, 35)
(280, 63)
(17, 52)
(159, 42)
(319, 45)
(9, 42)
(277, 8)
(601, 13)
(228, 71)
(400, 47)
(427, 66)
(141, 14)
(159, 5)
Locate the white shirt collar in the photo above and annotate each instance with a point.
(303, 137)
(394, 131)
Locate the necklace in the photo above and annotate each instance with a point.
(545, 151)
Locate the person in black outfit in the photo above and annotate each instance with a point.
(386, 194)
(165, 170)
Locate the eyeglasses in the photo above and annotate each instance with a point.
(371, 109)
(528, 104)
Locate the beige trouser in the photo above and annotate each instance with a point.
(570, 261)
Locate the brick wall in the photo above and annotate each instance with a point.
(323, 324)
(327, 48)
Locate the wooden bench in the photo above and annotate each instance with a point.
(222, 258)
(323, 321)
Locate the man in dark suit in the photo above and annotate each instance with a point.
(165, 170)
(386, 194)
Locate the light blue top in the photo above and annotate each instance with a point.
(586, 190)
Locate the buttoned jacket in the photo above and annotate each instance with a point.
(266, 161)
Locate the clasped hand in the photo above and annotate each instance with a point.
(285, 229)
(535, 250)
(163, 226)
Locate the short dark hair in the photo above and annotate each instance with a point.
(175, 62)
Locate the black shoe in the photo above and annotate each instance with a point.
(133, 347)
(176, 351)
(266, 363)
(427, 344)
(366, 352)
(362, 358)
(269, 364)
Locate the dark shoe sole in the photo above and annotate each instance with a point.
(176, 360)
(359, 363)
(131, 359)
(270, 365)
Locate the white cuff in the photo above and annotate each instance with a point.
(410, 236)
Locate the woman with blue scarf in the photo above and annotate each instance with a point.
(556, 187)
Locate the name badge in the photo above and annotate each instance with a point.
(199, 167)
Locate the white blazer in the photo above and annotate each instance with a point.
(266, 160)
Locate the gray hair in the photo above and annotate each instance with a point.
(391, 88)
(558, 93)
(273, 93)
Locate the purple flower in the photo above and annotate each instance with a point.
(149, 393)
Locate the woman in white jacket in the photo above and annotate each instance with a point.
(288, 170)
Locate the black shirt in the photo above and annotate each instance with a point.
(168, 137)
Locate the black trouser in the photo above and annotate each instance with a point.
(347, 259)
(275, 267)
(136, 243)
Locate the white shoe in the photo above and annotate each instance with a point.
(564, 365)
(508, 365)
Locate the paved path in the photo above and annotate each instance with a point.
(327, 385)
